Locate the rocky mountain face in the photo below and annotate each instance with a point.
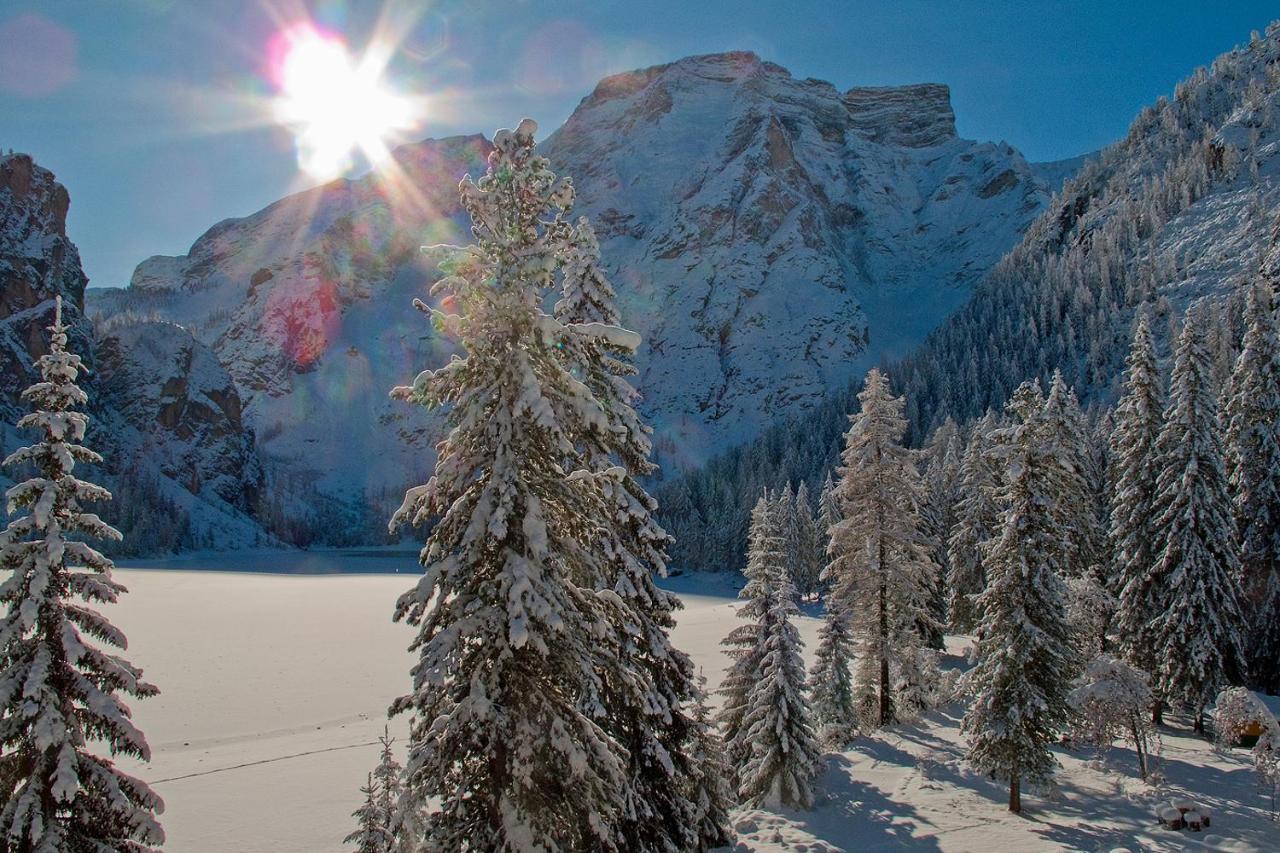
(37, 263)
(772, 237)
(769, 237)
(164, 413)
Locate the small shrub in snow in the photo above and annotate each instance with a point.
(1112, 700)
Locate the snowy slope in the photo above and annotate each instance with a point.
(769, 236)
(269, 712)
(1184, 207)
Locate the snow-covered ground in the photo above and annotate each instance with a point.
(275, 687)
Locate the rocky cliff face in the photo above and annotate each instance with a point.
(37, 263)
(164, 413)
(773, 237)
(184, 408)
(770, 238)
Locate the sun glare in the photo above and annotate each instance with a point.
(334, 103)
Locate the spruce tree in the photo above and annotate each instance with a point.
(370, 834)
(1253, 455)
(880, 568)
(781, 750)
(835, 715)
(1021, 680)
(507, 742)
(712, 792)
(388, 782)
(1134, 467)
(1072, 501)
(941, 484)
(59, 691)
(811, 546)
(745, 643)
(650, 715)
(1198, 632)
(789, 530)
(977, 516)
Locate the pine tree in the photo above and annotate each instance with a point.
(880, 567)
(1134, 468)
(1253, 455)
(941, 490)
(977, 516)
(811, 547)
(710, 783)
(828, 516)
(509, 623)
(835, 715)
(1197, 634)
(1073, 503)
(789, 530)
(389, 799)
(650, 715)
(58, 690)
(1024, 668)
(782, 751)
(370, 835)
(745, 643)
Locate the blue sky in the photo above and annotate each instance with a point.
(149, 110)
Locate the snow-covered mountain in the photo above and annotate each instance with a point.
(770, 237)
(1186, 206)
(164, 412)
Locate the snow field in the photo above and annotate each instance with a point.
(274, 689)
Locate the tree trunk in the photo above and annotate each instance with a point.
(1139, 748)
(1015, 794)
(1157, 713)
(886, 702)
(1199, 726)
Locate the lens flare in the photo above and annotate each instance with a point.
(335, 104)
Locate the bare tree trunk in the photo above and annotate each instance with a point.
(1015, 794)
(1139, 746)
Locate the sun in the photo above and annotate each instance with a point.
(335, 104)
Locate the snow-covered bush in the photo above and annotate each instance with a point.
(1238, 709)
(1089, 611)
(1112, 700)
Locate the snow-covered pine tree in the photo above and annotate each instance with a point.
(1198, 632)
(1139, 418)
(650, 715)
(1253, 457)
(881, 572)
(812, 545)
(389, 799)
(789, 529)
(940, 491)
(835, 714)
(712, 791)
(1072, 501)
(782, 750)
(977, 516)
(370, 834)
(58, 690)
(828, 514)
(509, 623)
(745, 643)
(1025, 658)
